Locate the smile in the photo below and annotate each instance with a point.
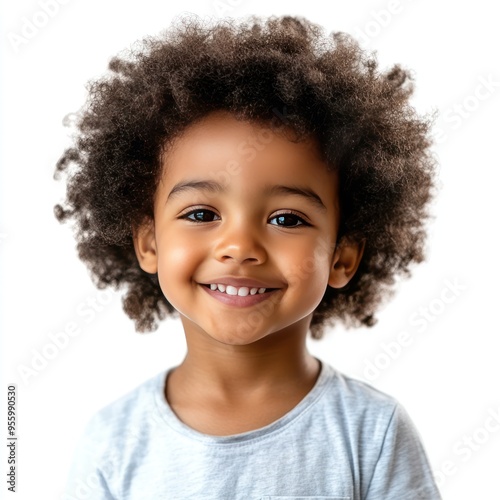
(242, 291)
(243, 296)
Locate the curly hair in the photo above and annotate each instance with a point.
(331, 90)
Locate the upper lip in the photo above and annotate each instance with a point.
(238, 282)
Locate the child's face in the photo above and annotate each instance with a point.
(243, 232)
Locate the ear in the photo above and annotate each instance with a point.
(145, 246)
(346, 259)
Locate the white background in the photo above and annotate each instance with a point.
(447, 378)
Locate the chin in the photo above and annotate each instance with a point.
(232, 338)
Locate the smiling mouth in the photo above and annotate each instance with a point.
(239, 301)
(242, 291)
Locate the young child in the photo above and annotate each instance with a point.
(258, 180)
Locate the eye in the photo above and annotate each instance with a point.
(287, 217)
(196, 213)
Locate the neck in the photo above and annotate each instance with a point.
(241, 374)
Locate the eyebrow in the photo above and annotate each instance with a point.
(269, 190)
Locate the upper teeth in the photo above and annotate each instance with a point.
(243, 291)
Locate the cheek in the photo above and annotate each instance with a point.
(178, 259)
(308, 269)
(310, 257)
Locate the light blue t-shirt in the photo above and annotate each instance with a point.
(345, 440)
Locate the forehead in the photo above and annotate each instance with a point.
(245, 157)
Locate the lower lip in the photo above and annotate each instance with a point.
(238, 300)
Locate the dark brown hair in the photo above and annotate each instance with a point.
(324, 86)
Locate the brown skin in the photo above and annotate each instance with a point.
(229, 370)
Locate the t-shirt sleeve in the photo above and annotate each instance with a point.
(402, 469)
(87, 474)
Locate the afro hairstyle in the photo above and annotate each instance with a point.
(322, 86)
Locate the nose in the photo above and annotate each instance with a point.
(241, 242)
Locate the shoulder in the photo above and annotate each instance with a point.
(360, 407)
(359, 394)
(389, 449)
(377, 426)
(115, 435)
(125, 417)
